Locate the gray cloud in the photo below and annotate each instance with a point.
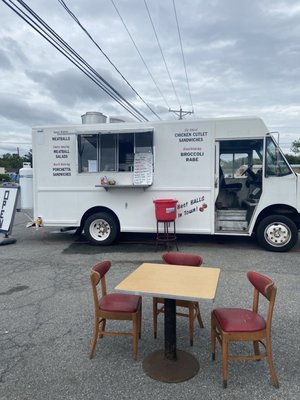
(4, 61)
(28, 114)
(13, 50)
(71, 86)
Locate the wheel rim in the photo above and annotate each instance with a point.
(278, 234)
(100, 230)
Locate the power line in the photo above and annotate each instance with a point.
(56, 41)
(63, 4)
(139, 53)
(161, 51)
(87, 69)
(183, 59)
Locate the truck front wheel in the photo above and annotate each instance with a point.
(277, 233)
(101, 229)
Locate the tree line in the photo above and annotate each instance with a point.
(12, 163)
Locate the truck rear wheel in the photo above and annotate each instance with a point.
(277, 233)
(101, 229)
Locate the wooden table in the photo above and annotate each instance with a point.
(171, 282)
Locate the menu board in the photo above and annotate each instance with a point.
(143, 169)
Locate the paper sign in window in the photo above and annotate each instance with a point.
(92, 165)
(143, 170)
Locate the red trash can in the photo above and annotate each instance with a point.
(165, 209)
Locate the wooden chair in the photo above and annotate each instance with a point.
(238, 324)
(115, 306)
(193, 312)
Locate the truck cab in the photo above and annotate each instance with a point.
(250, 172)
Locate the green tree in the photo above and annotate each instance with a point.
(11, 162)
(4, 178)
(296, 146)
(28, 157)
(292, 159)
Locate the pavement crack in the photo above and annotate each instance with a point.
(14, 289)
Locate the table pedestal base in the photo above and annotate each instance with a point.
(160, 368)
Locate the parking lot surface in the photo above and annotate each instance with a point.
(46, 320)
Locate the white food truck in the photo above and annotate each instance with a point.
(228, 175)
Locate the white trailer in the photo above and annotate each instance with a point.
(228, 175)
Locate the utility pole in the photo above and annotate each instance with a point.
(181, 113)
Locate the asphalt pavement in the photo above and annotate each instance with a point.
(46, 320)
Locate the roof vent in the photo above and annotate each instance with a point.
(93, 117)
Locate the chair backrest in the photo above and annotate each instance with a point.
(98, 272)
(102, 268)
(191, 260)
(265, 286)
(262, 283)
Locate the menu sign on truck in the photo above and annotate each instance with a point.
(143, 169)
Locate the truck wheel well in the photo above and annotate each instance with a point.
(95, 210)
(279, 209)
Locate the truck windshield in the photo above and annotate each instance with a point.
(276, 165)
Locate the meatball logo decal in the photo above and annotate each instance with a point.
(203, 207)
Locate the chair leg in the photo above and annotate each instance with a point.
(199, 315)
(135, 334)
(191, 323)
(102, 325)
(256, 348)
(94, 340)
(140, 322)
(155, 312)
(213, 337)
(270, 362)
(225, 360)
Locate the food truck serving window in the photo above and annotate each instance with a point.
(112, 151)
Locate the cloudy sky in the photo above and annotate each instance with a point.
(242, 57)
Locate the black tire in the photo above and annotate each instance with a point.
(101, 229)
(277, 233)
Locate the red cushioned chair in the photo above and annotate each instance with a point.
(190, 260)
(238, 324)
(115, 306)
